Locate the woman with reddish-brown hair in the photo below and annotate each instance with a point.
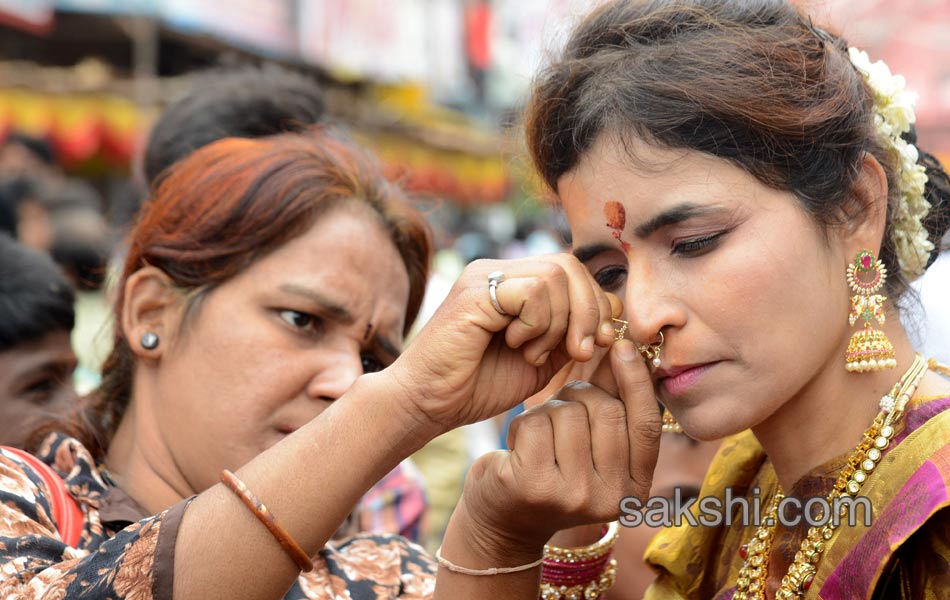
(258, 387)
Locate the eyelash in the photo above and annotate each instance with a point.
(611, 278)
(313, 322)
(370, 362)
(696, 246)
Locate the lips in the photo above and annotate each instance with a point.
(679, 379)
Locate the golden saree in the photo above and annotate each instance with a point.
(903, 553)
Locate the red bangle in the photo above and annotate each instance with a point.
(292, 548)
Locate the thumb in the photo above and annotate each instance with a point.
(643, 419)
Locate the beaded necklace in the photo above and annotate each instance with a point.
(752, 580)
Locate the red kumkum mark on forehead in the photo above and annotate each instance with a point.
(616, 219)
(369, 330)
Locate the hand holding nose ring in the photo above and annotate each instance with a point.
(650, 352)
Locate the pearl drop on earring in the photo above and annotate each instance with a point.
(656, 362)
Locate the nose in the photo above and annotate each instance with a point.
(651, 305)
(336, 370)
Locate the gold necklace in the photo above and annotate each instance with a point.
(753, 576)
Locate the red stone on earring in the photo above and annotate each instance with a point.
(743, 551)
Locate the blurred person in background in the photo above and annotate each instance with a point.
(245, 101)
(24, 214)
(82, 243)
(36, 357)
(23, 154)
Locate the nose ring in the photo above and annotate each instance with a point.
(651, 352)
(620, 332)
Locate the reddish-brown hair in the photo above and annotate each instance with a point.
(230, 203)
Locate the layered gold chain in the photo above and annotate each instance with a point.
(753, 576)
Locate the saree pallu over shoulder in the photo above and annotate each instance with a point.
(911, 489)
(896, 557)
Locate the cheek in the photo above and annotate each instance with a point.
(234, 372)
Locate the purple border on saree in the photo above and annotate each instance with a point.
(922, 495)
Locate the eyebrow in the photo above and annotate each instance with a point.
(672, 216)
(339, 313)
(585, 253)
(336, 311)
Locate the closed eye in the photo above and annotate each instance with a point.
(697, 246)
(612, 278)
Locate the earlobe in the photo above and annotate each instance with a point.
(149, 311)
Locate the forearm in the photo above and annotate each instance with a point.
(310, 481)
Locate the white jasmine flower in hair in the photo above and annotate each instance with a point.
(894, 115)
(900, 113)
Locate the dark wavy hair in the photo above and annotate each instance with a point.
(753, 82)
(247, 101)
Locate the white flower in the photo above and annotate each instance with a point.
(894, 115)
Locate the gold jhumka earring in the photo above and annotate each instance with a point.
(669, 423)
(869, 349)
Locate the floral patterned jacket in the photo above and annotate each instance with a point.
(126, 554)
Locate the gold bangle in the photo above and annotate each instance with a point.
(596, 550)
(252, 502)
(483, 572)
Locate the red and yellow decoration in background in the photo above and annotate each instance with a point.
(84, 128)
(100, 131)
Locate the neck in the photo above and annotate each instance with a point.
(139, 461)
(828, 417)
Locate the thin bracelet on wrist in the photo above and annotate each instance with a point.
(483, 572)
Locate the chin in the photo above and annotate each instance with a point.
(708, 423)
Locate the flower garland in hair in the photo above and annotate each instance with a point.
(894, 114)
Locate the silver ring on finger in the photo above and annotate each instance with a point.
(495, 278)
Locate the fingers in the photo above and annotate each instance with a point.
(553, 300)
(590, 318)
(582, 434)
(543, 314)
(643, 419)
(607, 416)
(531, 442)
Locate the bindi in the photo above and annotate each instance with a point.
(368, 332)
(616, 220)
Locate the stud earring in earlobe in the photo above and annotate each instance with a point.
(869, 349)
(149, 340)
